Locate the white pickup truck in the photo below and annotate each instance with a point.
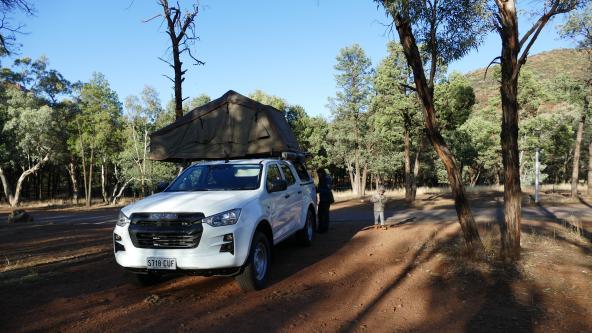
(218, 218)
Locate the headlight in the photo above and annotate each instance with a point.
(226, 218)
(123, 220)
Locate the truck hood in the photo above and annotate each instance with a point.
(207, 202)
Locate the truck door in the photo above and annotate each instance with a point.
(294, 200)
(275, 203)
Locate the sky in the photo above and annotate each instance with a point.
(285, 48)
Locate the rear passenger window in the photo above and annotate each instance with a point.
(273, 173)
(288, 174)
(302, 172)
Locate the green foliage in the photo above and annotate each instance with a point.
(98, 122)
(264, 98)
(480, 150)
(393, 110)
(349, 106)
(313, 139)
(454, 99)
(579, 26)
(196, 102)
(449, 29)
(31, 127)
(142, 115)
(553, 133)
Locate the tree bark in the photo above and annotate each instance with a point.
(589, 190)
(104, 182)
(576, 156)
(74, 180)
(510, 228)
(364, 177)
(513, 56)
(409, 195)
(89, 179)
(586, 109)
(425, 93)
(416, 172)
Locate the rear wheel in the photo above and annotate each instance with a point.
(256, 271)
(306, 235)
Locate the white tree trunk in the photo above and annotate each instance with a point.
(72, 172)
(115, 198)
(19, 184)
(103, 182)
(5, 186)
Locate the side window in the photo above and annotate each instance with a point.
(273, 173)
(302, 172)
(288, 174)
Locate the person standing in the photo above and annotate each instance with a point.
(379, 200)
(325, 200)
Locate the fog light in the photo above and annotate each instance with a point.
(118, 247)
(229, 245)
(116, 237)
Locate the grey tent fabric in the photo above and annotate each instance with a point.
(232, 126)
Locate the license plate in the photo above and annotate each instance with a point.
(161, 263)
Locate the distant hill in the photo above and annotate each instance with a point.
(544, 65)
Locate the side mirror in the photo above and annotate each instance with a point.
(161, 186)
(277, 185)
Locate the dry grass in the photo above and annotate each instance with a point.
(400, 192)
(557, 244)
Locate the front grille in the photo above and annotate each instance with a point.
(166, 230)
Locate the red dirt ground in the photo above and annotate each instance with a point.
(411, 277)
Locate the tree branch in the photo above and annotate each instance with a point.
(494, 61)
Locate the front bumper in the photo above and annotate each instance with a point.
(205, 257)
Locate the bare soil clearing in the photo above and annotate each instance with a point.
(58, 274)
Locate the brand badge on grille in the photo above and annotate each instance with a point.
(163, 216)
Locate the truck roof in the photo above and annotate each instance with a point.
(238, 161)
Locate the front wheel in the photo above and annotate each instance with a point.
(256, 270)
(306, 234)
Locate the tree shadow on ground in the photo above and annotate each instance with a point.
(568, 224)
(489, 295)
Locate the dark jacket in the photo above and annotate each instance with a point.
(324, 190)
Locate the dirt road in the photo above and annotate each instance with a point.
(59, 274)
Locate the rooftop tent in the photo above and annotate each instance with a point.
(232, 126)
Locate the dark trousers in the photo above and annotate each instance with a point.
(323, 216)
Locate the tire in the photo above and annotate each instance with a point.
(256, 271)
(149, 279)
(306, 235)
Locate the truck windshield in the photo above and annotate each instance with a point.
(222, 177)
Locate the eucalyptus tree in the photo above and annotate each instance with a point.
(348, 107)
(447, 30)
(98, 130)
(394, 108)
(514, 53)
(141, 115)
(31, 127)
(578, 27)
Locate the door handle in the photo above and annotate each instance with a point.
(286, 196)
